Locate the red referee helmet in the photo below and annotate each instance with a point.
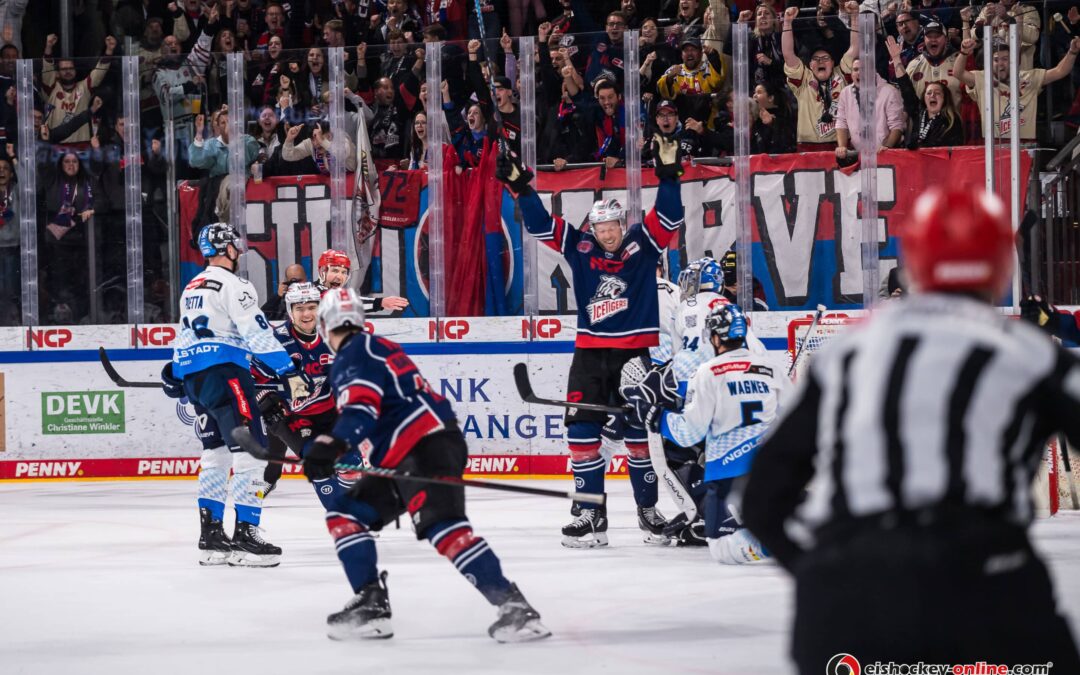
(958, 241)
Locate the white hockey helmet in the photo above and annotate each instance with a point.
(339, 308)
(300, 293)
(606, 211)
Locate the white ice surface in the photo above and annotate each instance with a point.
(100, 577)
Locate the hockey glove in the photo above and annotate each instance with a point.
(667, 155)
(319, 460)
(173, 387)
(509, 171)
(1037, 310)
(643, 413)
(271, 407)
(299, 383)
(656, 384)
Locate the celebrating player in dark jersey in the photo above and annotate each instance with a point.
(388, 412)
(614, 275)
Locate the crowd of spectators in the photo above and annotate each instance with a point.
(803, 70)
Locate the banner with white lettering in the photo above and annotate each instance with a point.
(806, 228)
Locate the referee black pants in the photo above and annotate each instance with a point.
(953, 594)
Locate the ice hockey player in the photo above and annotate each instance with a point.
(334, 269)
(667, 297)
(222, 329)
(909, 455)
(614, 277)
(700, 291)
(298, 421)
(389, 413)
(730, 402)
(292, 421)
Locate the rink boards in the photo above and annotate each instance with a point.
(63, 418)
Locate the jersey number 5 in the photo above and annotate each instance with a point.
(749, 411)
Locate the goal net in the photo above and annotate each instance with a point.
(1051, 490)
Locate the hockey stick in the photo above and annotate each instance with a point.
(1063, 446)
(813, 325)
(119, 380)
(115, 376)
(525, 390)
(242, 436)
(675, 488)
(495, 113)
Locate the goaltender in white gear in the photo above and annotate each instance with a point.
(699, 286)
(730, 402)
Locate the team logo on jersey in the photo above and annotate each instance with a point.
(584, 246)
(247, 300)
(608, 300)
(691, 320)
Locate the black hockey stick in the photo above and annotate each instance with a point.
(119, 380)
(242, 436)
(116, 377)
(806, 338)
(524, 387)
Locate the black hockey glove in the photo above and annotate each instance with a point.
(656, 384)
(271, 407)
(320, 459)
(173, 387)
(667, 156)
(509, 171)
(1037, 310)
(682, 533)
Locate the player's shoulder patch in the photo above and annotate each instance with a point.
(758, 369)
(730, 367)
(247, 299)
(584, 246)
(207, 285)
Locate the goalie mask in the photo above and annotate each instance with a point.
(700, 276)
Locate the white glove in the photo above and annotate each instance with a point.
(738, 548)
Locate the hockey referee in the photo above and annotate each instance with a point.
(915, 438)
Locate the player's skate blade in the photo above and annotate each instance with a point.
(588, 530)
(365, 617)
(249, 549)
(652, 522)
(518, 621)
(214, 545)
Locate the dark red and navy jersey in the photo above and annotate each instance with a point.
(1065, 326)
(384, 405)
(311, 355)
(615, 292)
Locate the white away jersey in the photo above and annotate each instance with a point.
(668, 295)
(730, 402)
(691, 346)
(221, 323)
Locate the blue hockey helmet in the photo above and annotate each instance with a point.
(701, 275)
(726, 321)
(215, 238)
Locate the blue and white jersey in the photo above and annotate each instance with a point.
(730, 402)
(220, 322)
(691, 344)
(385, 407)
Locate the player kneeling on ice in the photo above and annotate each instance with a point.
(389, 412)
(730, 401)
(222, 330)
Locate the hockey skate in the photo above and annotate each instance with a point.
(589, 530)
(652, 524)
(249, 549)
(366, 615)
(214, 544)
(518, 621)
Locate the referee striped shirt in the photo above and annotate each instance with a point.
(936, 400)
